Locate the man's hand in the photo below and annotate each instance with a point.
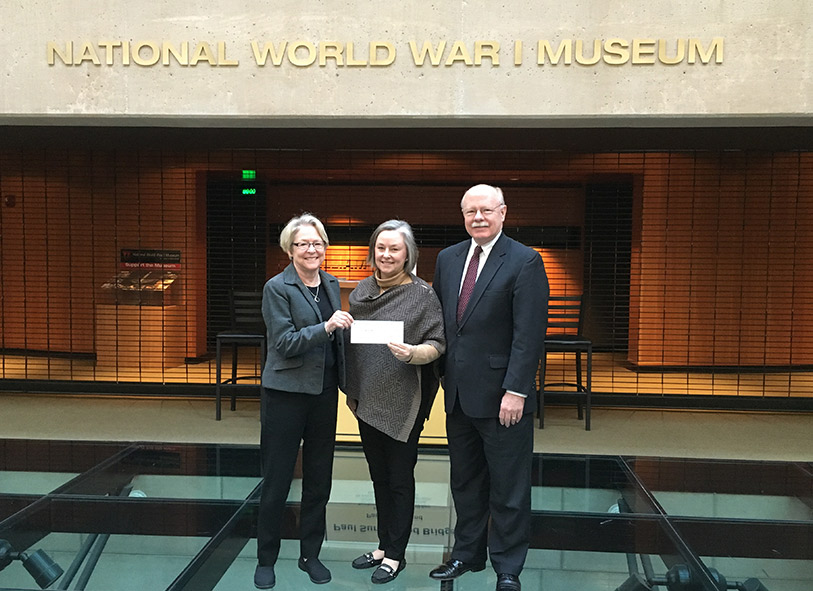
(511, 409)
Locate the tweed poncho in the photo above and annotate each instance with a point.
(388, 390)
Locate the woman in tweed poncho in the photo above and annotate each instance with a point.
(390, 388)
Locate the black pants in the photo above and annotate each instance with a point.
(289, 418)
(491, 487)
(392, 470)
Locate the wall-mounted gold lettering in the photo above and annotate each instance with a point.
(302, 53)
(616, 52)
(305, 53)
(458, 53)
(140, 53)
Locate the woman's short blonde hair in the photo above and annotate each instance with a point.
(286, 237)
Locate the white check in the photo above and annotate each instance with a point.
(376, 332)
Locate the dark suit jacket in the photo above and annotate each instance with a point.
(500, 339)
(296, 333)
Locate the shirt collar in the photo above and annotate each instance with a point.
(486, 247)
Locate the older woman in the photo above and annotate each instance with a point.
(390, 388)
(303, 370)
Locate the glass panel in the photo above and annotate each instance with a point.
(172, 471)
(110, 562)
(32, 483)
(592, 484)
(599, 522)
(729, 489)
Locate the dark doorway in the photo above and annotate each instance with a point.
(607, 255)
(236, 234)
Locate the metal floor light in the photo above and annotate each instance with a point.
(38, 564)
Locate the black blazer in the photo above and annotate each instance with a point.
(501, 337)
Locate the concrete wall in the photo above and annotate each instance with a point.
(759, 54)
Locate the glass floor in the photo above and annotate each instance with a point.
(159, 517)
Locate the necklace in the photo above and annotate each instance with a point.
(315, 294)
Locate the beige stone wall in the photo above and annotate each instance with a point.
(765, 46)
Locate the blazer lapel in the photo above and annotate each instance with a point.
(292, 278)
(332, 290)
(454, 275)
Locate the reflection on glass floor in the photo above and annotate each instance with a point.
(182, 517)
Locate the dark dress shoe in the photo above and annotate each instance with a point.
(366, 561)
(385, 573)
(264, 577)
(506, 582)
(452, 568)
(317, 571)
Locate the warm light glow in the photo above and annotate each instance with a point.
(564, 269)
(340, 220)
(347, 262)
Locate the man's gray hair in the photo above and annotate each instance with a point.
(484, 189)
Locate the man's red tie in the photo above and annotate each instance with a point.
(468, 283)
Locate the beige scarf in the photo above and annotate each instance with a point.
(398, 279)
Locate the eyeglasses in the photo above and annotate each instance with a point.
(487, 212)
(317, 245)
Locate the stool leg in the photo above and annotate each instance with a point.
(540, 401)
(217, 382)
(589, 387)
(234, 361)
(579, 386)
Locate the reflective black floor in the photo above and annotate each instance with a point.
(181, 517)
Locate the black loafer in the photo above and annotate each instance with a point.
(385, 573)
(506, 582)
(317, 571)
(264, 577)
(366, 561)
(452, 568)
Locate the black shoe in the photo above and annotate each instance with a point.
(506, 582)
(316, 570)
(264, 577)
(366, 561)
(385, 573)
(452, 568)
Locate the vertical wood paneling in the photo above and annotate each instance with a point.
(721, 262)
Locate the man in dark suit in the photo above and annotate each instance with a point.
(494, 293)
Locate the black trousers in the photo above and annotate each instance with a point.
(392, 470)
(491, 482)
(289, 418)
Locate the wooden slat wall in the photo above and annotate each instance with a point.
(722, 266)
(721, 254)
(62, 239)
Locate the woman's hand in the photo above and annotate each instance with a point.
(340, 319)
(402, 351)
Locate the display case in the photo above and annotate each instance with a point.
(142, 287)
(140, 318)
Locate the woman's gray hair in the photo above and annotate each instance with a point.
(286, 237)
(409, 240)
